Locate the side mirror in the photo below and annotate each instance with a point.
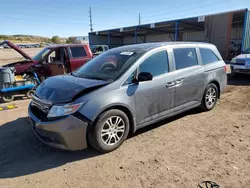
(145, 76)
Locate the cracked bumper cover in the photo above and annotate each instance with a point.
(69, 133)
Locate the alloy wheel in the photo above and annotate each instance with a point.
(113, 130)
(211, 96)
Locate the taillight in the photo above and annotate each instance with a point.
(225, 68)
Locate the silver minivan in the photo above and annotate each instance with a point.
(123, 90)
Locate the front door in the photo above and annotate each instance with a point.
(189, 78)
(54, 63)
(155, 99)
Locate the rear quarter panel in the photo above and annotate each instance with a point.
(216, 72)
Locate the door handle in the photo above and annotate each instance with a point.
(170, 84)
(178, 82)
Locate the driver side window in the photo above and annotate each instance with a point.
(52, 57)
(156, 64)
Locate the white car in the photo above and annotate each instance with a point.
(241, 63)
(1, 47)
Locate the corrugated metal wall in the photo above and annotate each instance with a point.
(149, 38)
(246, 33)
(236, 35)
(218, 30)
(197, 36)
(99, 39)
(131, 40)
(159, 38)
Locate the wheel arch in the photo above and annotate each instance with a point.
(215, 82)
(127, 111)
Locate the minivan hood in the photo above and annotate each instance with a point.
(13, 46)
(65, 88)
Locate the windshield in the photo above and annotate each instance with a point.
(247, 51)
(107, 66)
(41, 54)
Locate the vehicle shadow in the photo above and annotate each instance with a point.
(238, 79)
(21, 153)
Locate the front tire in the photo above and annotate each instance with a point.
(109, 131)
(210, 97)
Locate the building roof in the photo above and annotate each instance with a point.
(186, 24)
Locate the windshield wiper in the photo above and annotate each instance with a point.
(95, 78)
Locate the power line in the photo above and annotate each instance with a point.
(139, 19)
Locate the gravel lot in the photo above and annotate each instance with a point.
(178, 152)
(10, 55)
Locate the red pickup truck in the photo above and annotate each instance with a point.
(52, 60)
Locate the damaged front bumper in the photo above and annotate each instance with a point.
(68, 133)
(244, 69)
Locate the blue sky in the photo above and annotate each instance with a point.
(70, 18)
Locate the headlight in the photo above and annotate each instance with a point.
(57, 111)
(233, 60)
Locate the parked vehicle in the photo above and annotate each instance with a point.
(21, 46)
(11, 85)
(241, 63)
(52, 60)
(1, 47)
(6, 46)
(98, 49)
(125, 89)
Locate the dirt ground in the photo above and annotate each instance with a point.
(178, 152)
(10, 55)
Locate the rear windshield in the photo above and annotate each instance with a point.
(108, 66)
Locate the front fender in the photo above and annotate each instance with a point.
(101, 102)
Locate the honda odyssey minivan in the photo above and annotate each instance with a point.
(123, 90)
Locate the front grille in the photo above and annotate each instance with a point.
(38, 113)
(40, 108)
(240, 61)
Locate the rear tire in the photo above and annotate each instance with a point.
(110, 131)
(210, 97)
(7, 98)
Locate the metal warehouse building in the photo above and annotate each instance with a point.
(221, 29)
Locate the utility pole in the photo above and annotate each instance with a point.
(139, 19)
(90, 20)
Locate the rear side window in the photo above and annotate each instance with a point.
(156, 64)
(208, 56)
(78, 52)
(185, 57)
